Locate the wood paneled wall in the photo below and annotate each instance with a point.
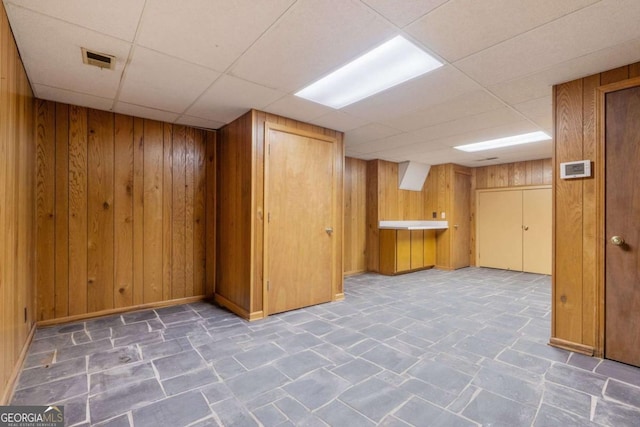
(121, 211)
(517, 174)
(575, 282)
(355, 226)
(17, 207)
(240, 185)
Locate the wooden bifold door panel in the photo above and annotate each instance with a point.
(514, 229)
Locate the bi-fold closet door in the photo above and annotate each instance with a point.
(514, 229)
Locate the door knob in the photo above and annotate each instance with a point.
(455, 226)
(617, 240)
(329, 230)
(525, 227)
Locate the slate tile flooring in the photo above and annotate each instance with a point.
(431, 348)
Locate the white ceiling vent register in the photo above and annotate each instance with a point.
(98, 59)
(411, 175)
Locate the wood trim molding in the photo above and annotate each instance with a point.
(572, 346)
(338, 297)
(101, 313)
(517, 188)
(7, 393)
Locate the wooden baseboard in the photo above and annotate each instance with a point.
(7, 393)
(109, 312)
(572, 346)
(236, 309)
(353, 273)
(443, 267)
(338, 297)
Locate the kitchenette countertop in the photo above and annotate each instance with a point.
(413, 225)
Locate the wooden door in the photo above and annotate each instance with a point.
(536, 231)
(622, 219)
(461, 219)
(403, 250)
(499, 229)
(417, 249)
(299, 200)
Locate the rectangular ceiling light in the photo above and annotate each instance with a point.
(388, 65)
(505, 142)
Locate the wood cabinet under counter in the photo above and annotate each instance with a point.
(402, 250)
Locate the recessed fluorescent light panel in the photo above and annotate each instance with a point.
(505, 142)
(388, 65)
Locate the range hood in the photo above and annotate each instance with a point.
(411, 175)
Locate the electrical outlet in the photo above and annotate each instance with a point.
(442, 215)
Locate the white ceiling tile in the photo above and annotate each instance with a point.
(539, 84)
(402, 13)
(430, 89)
(199, 123)
(297, 108)
(117, 18)
(70, 97)
(57, 61)
(515, 128)
(230, 97)
(339, 120)
(144, 112)
(467, 104)
(163, 82)
(462, 27)
(573, 36)
(311, 40)
(367, 133)
(212, 33)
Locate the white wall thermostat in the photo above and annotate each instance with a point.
(579, 169)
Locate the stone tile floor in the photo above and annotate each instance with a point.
(432, 348)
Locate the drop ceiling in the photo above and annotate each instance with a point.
(205, 62)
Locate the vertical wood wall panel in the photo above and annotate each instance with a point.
(153, 211)
(138, 211)
(576, 248)
(355, 226)
(568, 214)
(167, 209)
(45, 193)
(210, 212)
(78, 195)
(112, 196)
(62, 211)
(100, 166)
(199, 214)
(20, 149)
(179, 215)
(188, 211)
(123, 212)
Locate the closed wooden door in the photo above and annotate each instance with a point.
(461, 239)
(622, 226)
(499, 231)
(536, 231)
(299, 174)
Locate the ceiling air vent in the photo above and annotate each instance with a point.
(97, 59)
(486, 159)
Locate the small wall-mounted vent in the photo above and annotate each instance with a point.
(98, 59)
(486, 159)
